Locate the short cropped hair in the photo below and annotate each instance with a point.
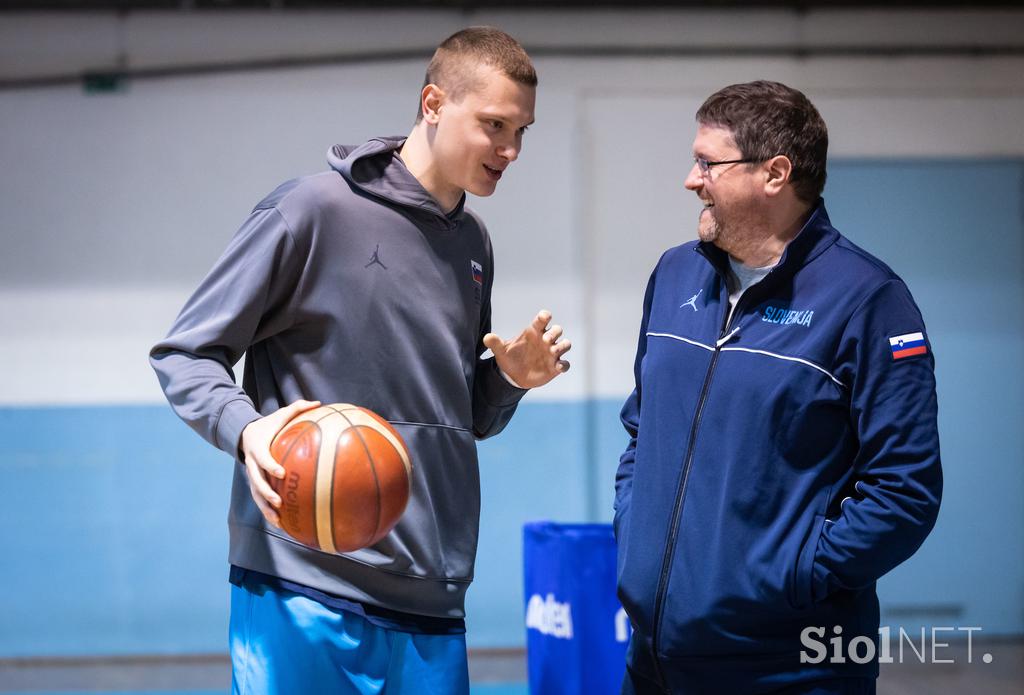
(768, 119)
(454, 65)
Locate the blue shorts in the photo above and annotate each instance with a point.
(285, 643)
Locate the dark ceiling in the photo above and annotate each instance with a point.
(128, 5)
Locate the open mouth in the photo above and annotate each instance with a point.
(495, 174)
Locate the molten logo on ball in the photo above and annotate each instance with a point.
(290, 500)
(347, 477)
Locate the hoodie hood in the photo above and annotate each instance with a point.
(375, 168)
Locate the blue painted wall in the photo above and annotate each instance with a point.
(114, 537)
(954, 230)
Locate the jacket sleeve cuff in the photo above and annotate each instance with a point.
(233, 419)
(819, 583)
(497, 388)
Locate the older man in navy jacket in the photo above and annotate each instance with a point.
(783, 449)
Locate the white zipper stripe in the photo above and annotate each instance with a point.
(757, 352)
(726, 338)
(685, 340)
(791, 359)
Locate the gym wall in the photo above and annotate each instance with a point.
(114, 204)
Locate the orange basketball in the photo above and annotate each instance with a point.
(347, 477)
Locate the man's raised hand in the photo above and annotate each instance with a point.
(534, 357)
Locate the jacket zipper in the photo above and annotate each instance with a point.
(677, 510)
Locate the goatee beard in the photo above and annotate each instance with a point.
(708, 232)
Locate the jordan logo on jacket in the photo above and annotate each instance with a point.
(375, 258)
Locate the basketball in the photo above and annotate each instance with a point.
(347, 477)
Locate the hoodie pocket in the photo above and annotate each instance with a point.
(801, 595)
(436, 537)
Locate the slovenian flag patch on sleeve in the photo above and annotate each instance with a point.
(907, 345)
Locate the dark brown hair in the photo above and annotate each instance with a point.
(768, 119)
(454, 65)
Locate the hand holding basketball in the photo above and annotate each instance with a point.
(347, 477)
(255, 447)
(534, 357)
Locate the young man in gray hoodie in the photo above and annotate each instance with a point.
(368, 284)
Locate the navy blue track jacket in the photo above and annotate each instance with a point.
(778, 465)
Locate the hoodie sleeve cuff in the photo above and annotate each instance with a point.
(233, 419)
(496, 387)
(508, 378)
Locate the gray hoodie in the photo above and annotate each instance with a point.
(353, 286)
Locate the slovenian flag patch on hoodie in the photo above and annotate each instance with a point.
(907, 345)
(478, 272)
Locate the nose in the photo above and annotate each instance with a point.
(509, 152)
(694, 180)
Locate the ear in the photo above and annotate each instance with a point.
(779, 169)
(431, 99)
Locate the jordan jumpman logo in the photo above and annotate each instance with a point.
(375, 258)
(692, 301)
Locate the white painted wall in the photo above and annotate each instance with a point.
(39, 44)
(113, 206)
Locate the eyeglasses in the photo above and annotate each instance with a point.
(705, 166)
